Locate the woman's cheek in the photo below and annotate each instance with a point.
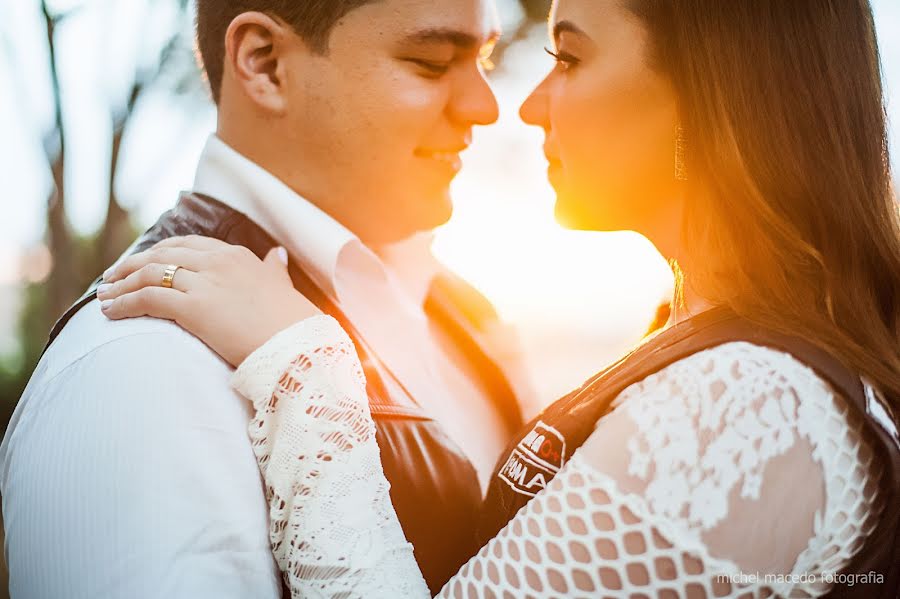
(581, 133)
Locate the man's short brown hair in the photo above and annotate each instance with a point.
(313, 21)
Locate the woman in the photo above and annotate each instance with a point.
(746, 140)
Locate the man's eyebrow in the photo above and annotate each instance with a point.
(567, 27)
(460, 39)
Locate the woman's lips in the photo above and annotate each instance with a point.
(554, 171)
(552, 158)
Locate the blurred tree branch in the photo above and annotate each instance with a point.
(117, 232)
(78, 259)
(59, 235)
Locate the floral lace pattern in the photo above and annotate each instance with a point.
(736, 460)
(331, 522)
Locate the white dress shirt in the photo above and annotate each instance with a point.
(126, 470)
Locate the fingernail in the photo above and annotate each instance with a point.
(104, 305)
(103, 288)
(107, 273)
(282, 255)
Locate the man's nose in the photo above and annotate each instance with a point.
(474, 102)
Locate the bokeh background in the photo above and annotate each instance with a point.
(103, 114)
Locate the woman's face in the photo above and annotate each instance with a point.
(610, 119)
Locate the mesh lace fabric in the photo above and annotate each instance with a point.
(733, 462)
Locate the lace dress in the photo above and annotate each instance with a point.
(735, 472)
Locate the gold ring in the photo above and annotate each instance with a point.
(169, 275)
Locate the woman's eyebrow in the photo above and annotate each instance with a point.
(567, 27)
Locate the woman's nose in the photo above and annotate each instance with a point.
(534, 111)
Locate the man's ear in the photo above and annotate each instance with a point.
(255, 51)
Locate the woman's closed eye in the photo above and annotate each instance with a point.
(563, 59)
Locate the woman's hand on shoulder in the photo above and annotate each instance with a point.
(223, 294)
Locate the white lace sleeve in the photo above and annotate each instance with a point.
(333, 530)
(736, 472)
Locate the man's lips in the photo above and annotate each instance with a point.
(449, 157)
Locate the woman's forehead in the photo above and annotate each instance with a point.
(587, 15)
(607, 21)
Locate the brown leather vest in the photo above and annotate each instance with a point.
(434, 487)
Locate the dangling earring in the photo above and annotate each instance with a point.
(680, 151)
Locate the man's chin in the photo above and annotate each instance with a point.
(396, 226)
(436, 210)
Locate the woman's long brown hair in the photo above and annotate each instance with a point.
(791, 219)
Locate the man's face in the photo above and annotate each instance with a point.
(379, 120)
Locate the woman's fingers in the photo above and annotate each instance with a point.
(158, 302)
(179, 256)
(277, 260)
(150, 275)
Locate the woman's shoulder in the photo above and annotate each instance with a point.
(736, 372)
(751, 394)
(731, 409)
(716, 442)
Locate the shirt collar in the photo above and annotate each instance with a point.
(412, 264)
(313, 237)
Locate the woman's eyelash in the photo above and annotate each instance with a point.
(563, 58)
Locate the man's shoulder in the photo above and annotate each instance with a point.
(140, 374)
(89, 331)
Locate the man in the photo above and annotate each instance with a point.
(127, 469)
